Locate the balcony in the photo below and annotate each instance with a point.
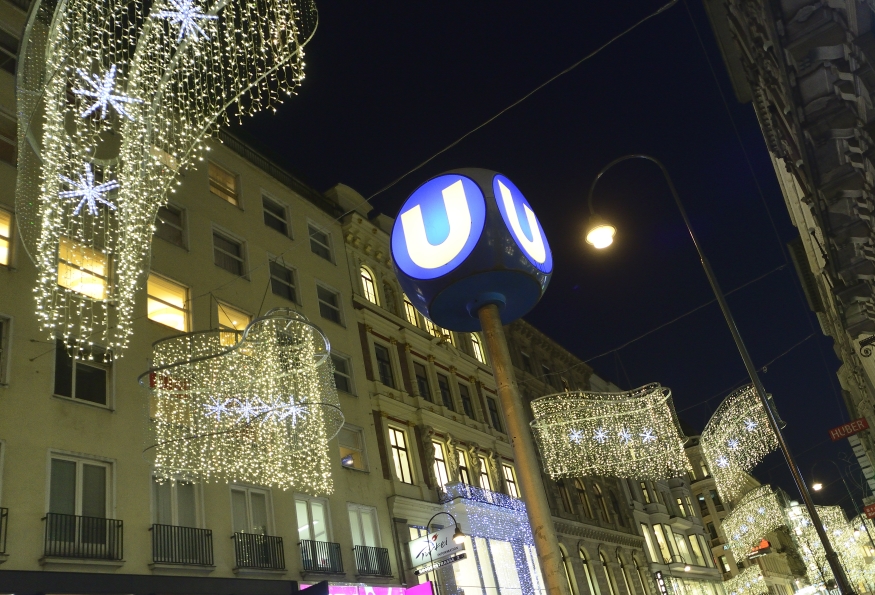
(321, 556)
(73, 536)
(262, 552)
(372, 561)
(181, 545)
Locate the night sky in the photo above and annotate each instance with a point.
(389, 84)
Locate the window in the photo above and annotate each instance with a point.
(510, 480)
(681, 507)
(342, 372)
(444, 390)
(583, 497)
(703, 505)
(704, 469)
(623, 573)
(282, 281)
(400, 455)
(8, 129)
(223, 183)
(467, 403)
(320, 243)
(175, 503)
(363, 522)
(484, 474)
(8, 51)
(312, 518)
(228, 254)
(232, 321)
(712, 531)
(329, 304)
(603, 503)
(409, 311)
(697, 550)
(493, 413)
(612, 583)
(5, 342)
(663, 543)
(79, 487)
(384, 365)
(527, 362)
(369, 288)
(593, 586)
(718, 504)
(170, 225)
(645, 584)
(648, 539)
(618, 514)
(5, 237)
(681, 543)
(166, 302)
(645, 493)
(249, 510)
(462, 461)
(82, 269)
(477, 348)
(275, 215)
(546, 374)
(565, 497)
(706, 560)
(352, 448)
(440, 465)
(422, 384)
(84, 378)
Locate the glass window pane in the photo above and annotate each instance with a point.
(82, 269)
(166, 302)
(320, 527)
(186, 505)
(161, 493)
(5, 235)
(239, 514)
(93, 490)
(304, 532)
(90, 383)
(223, 183)
(63, 371)
(258, 505)
(356, 527)
(62, 491)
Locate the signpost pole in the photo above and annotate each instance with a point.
(546, 543)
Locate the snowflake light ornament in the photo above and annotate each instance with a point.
(647, 435)
(600, 436)
(722, 462)
(295, 411)
(216, 407)
(625, 436)
(750, 425)
(87, 192)
(732, 443)
(755, 514)
(187, 14)
(103, 93)
(575, 436)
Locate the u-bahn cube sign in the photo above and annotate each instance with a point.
(848, 429)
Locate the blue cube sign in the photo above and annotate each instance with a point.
(467, 238)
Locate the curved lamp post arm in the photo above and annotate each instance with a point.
(831, 556)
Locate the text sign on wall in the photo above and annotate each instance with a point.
(869, 509)
(660, 582)
(434, 547)
(849, 429)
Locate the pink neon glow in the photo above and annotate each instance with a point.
(423, 589)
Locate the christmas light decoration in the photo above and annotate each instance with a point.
(736, 438)
(259, 411)
(632, 434)
(127, 91)
(749, 581)
(756, 514)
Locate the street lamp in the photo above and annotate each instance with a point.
(818, 486)
(597, 230)
(458, 538)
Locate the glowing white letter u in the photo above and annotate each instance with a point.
(535, 247)
(431, 256)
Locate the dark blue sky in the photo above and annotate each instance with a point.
(389, 84)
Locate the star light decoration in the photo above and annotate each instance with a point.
(261, 411)
(757, 513)
(736, 438)
(749, 581)
(129, 91)
(632, 434)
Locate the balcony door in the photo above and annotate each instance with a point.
(250, 510)
(78, 507)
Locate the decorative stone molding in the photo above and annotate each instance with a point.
(594, 534)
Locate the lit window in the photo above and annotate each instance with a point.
(342, 372)
(484, 474)
(223, 183)
(440, 465)
(329, 304)
(464, 477)
(593, 586)
(320, 243)
(84, 378)
(282, 281)
(352, 449)
(645, 492)
(166, 302)
(681, 508)
(612, 585)
(82, 269)
(477, 348)
(5, 236)
(510, 480)
(436, 331)
(275, 215)
(228, 254)
(232, 322)
(409, 311)
(400, 455)
(368, 287)
(170, 225)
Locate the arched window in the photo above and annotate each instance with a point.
(612, 584)
(409, 311)
(477, 348)
(645, 584)
(616, 506)
(603, 504)
(369, 288)
(583, 497)
(569, 572)
(623, 573)
(566, 498)
(593, 587)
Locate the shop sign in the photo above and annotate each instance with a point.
(848, 429)
(434, 547)
(660, 583)
(869, 509)
(445, 562)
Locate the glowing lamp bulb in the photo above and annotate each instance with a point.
(600, 234)
(817, 487)
(458, 536)
(687, 568)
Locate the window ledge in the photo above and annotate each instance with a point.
(260, 571)
(83, 402)
(182, 569)
(69, 562)
(305, 573)
(357, 470)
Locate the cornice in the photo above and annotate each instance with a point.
(598, 534)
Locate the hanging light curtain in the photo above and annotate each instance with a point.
(756, 514)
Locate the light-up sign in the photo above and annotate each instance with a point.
(363, 589)
(434, 547)
(522, 223)
(438, 226)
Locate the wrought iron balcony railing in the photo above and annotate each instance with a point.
(468, 492)
(4, 523)
(321, 556)
(372, 561)
(259, 551)
(181, 545)
(73, 536)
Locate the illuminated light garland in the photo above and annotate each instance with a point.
(756, 514)
(736, 438)
(634, 434)
(749, 581)
(261, 411)
(129, 90)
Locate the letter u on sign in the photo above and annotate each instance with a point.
(431, 256)
(526, 231)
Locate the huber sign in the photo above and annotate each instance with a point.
(869, 511)
(434, 547)
(849, 429)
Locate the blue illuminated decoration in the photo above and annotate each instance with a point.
(438, 226)
(522, 223)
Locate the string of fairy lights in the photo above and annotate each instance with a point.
(258, 410)
(113, 105)
(756, 514)
(749, 581)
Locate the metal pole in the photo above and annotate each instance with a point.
(546, 543)
(831, 557)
